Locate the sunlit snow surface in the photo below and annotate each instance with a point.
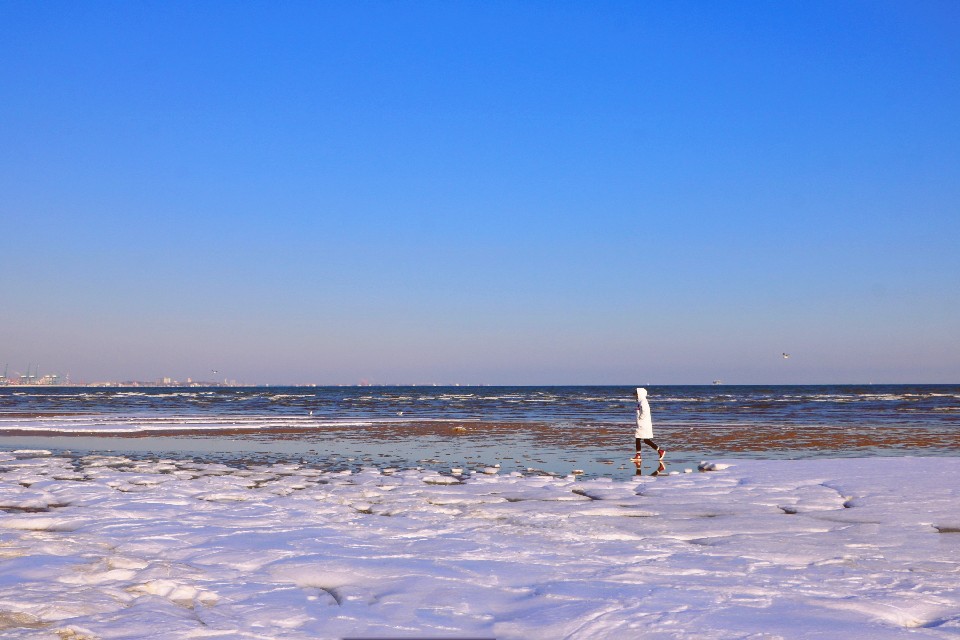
(107, 547)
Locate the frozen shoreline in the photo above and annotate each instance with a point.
(108, 547)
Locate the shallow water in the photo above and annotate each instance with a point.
(529, 429)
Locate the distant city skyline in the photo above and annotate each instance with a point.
(34, 377)
(483, 193)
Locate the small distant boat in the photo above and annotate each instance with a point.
(718, 382)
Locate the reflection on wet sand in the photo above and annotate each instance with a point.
(661, 468)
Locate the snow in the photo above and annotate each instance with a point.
(109, 547)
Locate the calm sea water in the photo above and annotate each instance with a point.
(523, 429)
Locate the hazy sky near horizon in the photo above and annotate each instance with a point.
(481, 192)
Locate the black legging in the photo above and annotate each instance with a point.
(648, 442)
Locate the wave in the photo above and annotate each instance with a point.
(130, 424)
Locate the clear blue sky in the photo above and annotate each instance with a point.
(481, 192)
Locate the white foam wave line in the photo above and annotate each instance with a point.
(115, 428)
(133, 424)
(222, 418)
(138, 426)
(175, 419)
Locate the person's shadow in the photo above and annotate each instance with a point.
(660, 469)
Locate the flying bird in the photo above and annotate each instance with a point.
(785, 355)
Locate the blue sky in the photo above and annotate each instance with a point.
(481, 192)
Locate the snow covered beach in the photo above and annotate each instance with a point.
(108, 547)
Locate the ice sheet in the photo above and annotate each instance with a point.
(107, 547)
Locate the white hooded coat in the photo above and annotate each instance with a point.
(644, 421)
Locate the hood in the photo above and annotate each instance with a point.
(641, 393)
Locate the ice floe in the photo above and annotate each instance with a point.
(109, 547)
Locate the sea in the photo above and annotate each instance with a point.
(557, 430)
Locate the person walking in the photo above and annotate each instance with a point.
(644, 434)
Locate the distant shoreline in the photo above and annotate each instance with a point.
(205, 385)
